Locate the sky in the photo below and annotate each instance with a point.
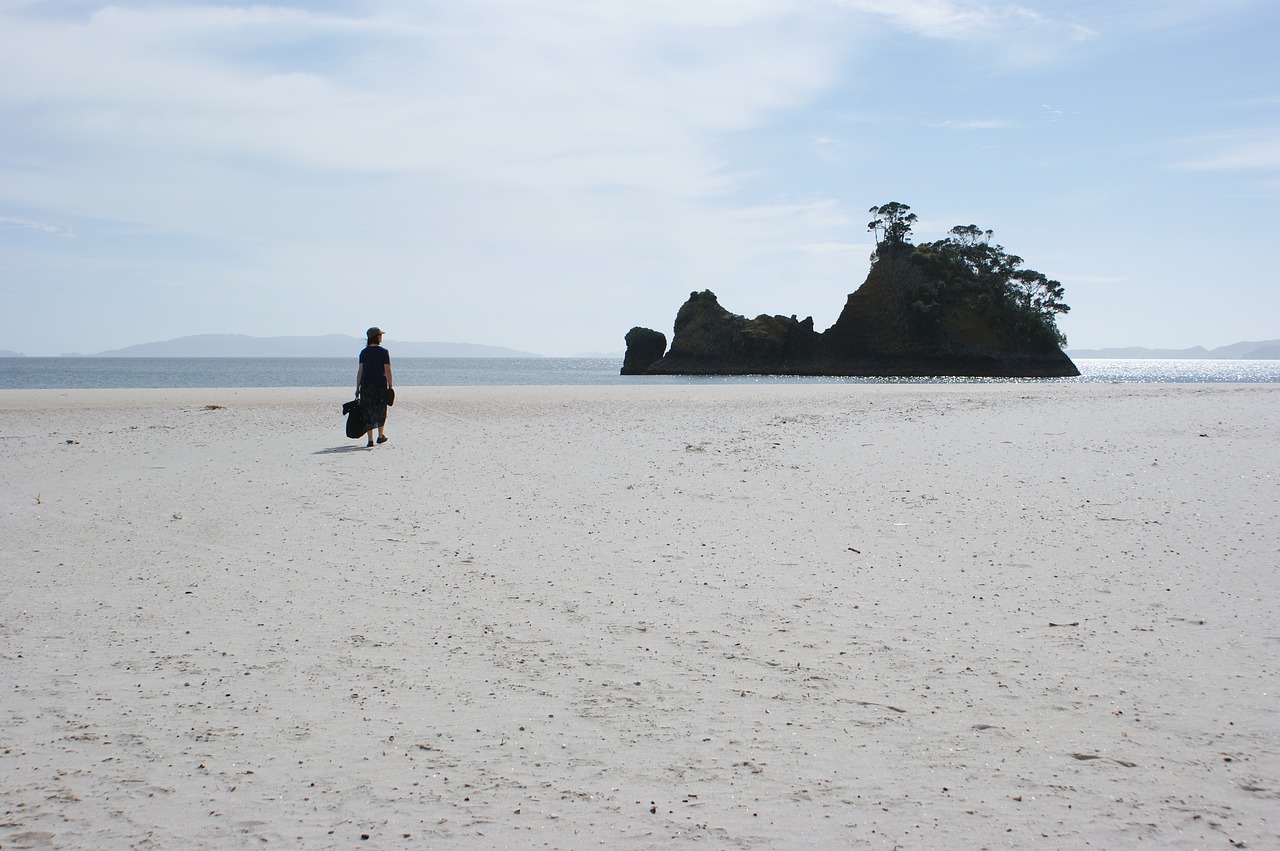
(546, 174)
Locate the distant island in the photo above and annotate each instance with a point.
(961, 306)
(327, 346)
(1264, 350)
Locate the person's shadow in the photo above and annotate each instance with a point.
(336, 449)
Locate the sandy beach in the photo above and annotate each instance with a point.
(733, 616)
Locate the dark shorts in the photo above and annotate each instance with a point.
(373, 404)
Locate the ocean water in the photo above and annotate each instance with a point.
(127, 373)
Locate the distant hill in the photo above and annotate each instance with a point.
(327, 346)
(5, 353)
(1265, 350)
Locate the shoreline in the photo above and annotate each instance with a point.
(185, 396)
(453, 372)
(737, 616)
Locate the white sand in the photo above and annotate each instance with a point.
(1017, 615)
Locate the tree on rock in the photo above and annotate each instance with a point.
(892, 224)
(967, 272)
(970, 234)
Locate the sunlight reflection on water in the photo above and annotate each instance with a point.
(128, 373)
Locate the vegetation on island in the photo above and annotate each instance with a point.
(966, 273)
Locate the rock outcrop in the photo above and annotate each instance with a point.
(710, 340)
(645, 347)
(893, 325)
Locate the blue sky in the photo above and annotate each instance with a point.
(545, 174)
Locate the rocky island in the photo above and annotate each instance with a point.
(960, 306)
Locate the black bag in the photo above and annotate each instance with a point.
(390, 396)
(355, 419)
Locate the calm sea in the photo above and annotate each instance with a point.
(102, 373)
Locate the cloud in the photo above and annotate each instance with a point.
(977, 124)
(489, 87)
(40, 227)
(1024, 34)
(461, 101)
(492, 87)
(941, 18)
(1137, 16)
(269, 158)
(1251, 151)
(572, 93)
(453, 159)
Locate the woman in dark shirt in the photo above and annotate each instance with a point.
(373, 380)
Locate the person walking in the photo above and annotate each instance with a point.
(373, 384)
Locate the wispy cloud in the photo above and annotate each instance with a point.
(1254, 151)
(495, 90)
(1025, 35)
(1136, 16)
(977, 124)
(568, 94)
(40, 227)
